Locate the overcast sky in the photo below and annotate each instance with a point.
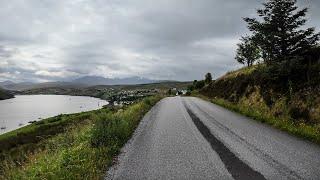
(46, 40)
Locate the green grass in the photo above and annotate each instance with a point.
(241, 71)
(37, 131)
(299, 129)
(83, 150)
(65, 156)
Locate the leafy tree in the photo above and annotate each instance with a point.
(195, 82)
(190, 88)
(208, 78)
(248, 52)
(279, 33)
(200, 84)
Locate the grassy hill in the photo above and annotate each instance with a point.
(5, 94)
(293, 106)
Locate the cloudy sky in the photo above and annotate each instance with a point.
(46, 40)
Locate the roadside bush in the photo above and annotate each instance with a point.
(147, 101)
(114, 129)
(188, 93)
(299, 113)
(200, 84)
(109, 130)
(190, 88)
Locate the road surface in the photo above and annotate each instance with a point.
(189, 138)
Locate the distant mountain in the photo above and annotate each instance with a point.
(77, 83)
(5, 83)
(28, 85)
(9, 85)
(97, 80)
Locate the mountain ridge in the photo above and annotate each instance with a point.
(84, 81)
(98, 80)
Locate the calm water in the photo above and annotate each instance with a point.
(17, 112)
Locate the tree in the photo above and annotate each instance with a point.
(195, 83)
(190, 88)
(279, 33)
(208, 78)
(248, 52)
(200, 84)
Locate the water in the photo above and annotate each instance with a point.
(17, 112)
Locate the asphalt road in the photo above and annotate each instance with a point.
(188, 138)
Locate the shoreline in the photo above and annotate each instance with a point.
(39, 119)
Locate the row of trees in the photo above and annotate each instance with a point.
(194, 86)
(277, 36)
(200, 84)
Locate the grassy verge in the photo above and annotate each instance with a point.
(40, 130)
(82, 150)
(299, 129)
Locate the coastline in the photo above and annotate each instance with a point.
(76, 108)
(5, 94)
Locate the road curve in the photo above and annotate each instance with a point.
(188, 138)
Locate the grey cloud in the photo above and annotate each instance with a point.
(5, 53)
(167, 39)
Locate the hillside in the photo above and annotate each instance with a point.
(5, 94)
(285, 104)
(103, 91)
(97, 80)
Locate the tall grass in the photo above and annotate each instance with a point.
(83, 151)
(300, 129)
(114, 129)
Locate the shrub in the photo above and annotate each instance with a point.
(109, 130)
(200, 84)
(113, 129)
(190, 88)
(299, 113)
